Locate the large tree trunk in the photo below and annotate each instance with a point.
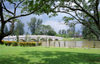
(1, 37)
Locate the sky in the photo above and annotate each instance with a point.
(56, 22)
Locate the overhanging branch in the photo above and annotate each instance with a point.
(19, 16)
(7, 9)
(19, 3)
(83, 10)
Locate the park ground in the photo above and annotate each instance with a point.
(46, 55)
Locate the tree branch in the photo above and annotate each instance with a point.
(83, 10)
(7, 9)
(69, 14)
(19, 3)
(16, 6)
(71, 8)
(20, 16)
(87, 22)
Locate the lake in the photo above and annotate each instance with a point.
(73, 44)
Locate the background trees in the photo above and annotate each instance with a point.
(62, 33)
(87, 34)
(36, 27)
(34, 24)
(45, 30)
(19, 28)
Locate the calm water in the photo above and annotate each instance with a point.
(72, 44)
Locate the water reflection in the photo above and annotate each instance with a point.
(73, 44)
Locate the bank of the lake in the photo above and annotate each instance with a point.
(73, 39)
(46, 55)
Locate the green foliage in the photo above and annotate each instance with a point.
(45, 30)
(62, 31)
(43, 39)
(42, 6)
(13, 43)
(62, 35)
(67, 19)
(28, 43)
(9, 43)
(87, 34)
(72, 39)
(51, 32)
(50, 39)
(34, 24)
(19, 28)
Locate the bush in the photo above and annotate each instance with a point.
(7, 43)
(28, 43)
(13, 43)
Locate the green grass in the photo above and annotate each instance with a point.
(43, 55)
(72, 39)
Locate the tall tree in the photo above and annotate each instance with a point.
(25, 7)
(62, 31)
(70, 33)
(19, 28)
(72, 28)
(34, 24)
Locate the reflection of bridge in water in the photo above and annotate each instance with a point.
(72, 44)
(22, 37)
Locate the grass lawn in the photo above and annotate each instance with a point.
(43, 55)
(72, 39)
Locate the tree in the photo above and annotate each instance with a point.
(26, 7)
(19, 28)
(34, 24)
(70, 33)
(82, 11)
(5, 29)
(88, 34)
(45, 30)
(51, 33)
(72, 28)
(77, 34)
(62, 31)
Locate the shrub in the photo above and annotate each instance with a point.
(28, 43)
(8, 43)
(13, 43)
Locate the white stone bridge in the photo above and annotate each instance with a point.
(22, 37)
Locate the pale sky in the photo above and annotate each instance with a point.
(55, 22)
